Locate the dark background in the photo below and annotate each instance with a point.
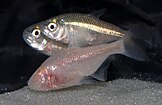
(18, 61)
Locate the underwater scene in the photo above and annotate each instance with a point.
(91, 52)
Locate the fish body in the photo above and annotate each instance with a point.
(66, 28)
(69, 67)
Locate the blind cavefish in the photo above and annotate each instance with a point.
(72, 66)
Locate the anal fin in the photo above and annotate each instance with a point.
(88, 80)
(98, 13)
(101, 73)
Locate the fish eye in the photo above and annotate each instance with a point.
(52, 26)
(36, 33)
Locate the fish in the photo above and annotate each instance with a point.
(67, 28)
(38, 41)
(76, 66)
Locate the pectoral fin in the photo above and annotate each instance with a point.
(79, 38)
(78, 42)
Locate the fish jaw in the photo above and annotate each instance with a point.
(27, 37)
(45, 80)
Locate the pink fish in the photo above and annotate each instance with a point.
(72, 66)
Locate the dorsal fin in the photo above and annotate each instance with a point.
(98, 13)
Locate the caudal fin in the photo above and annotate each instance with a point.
(133, 43)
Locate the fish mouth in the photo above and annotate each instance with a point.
(35, 82)
(27, 37)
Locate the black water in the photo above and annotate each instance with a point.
(18, 61)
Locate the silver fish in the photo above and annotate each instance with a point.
(34, 38)
(69, 67)
(67, 29)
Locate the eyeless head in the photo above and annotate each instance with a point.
(43, 80)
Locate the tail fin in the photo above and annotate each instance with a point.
(135, 50)
(133, 43)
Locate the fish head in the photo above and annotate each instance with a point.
(34, 37)
(45, 80)
(54, 28)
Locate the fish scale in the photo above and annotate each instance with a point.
(90, 20)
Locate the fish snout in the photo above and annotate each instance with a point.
(42, 80)
(27, 37)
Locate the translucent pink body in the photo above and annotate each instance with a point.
(67, 67)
